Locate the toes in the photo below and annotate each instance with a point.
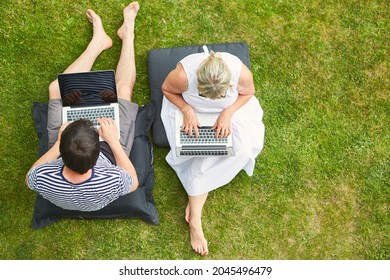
(200, 248)
(92, 16)
(89, 16)
(135, 6)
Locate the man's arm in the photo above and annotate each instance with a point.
(109, 133)
(52, 154)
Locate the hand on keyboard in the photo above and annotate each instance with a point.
(206, 136)
(223, 124)
(190, 122)
(108, 130)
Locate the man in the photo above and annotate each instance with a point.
(73, 173)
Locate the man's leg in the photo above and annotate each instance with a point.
(126, 76)
(125, 71)
(194, 218)
(100, 41)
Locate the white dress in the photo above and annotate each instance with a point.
(200, 175)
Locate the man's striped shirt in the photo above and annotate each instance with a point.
(106, 184)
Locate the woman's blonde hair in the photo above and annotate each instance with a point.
(213, 77)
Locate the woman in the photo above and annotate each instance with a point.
(215, 83)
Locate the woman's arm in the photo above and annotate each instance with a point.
(246, 90)
(174, 85)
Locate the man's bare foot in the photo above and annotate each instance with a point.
(129, 15)
(100, 39)
(198, 242)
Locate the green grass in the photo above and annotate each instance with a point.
(321, 185)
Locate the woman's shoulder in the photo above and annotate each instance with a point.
(230, 57)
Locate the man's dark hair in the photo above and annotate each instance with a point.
(80, 146)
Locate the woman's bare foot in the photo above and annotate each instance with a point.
(129, 15)
(100, 39)
(198, 241)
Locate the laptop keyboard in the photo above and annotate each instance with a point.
(91, 114)
(203, 153)
(206, 136)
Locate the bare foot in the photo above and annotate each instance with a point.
(198, 242)
(100, 39)
(129, 15)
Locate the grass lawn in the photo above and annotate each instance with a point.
(320, 189)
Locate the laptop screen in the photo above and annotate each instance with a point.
(88, 88)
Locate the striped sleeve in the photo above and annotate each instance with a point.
(32, 178)
(126, 182)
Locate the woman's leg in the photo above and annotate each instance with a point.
(194, 219)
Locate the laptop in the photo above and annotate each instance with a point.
(205, 144)
(89, 95)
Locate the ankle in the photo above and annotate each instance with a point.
(195, 223)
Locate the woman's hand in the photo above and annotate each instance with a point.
(190, 121)
(223, 124)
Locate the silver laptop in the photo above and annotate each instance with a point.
(206, 144)
(89, 95)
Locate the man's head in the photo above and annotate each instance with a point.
(80, 146)
(213, 77)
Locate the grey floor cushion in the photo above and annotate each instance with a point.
(162, 61)
(139, 204)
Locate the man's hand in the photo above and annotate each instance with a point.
(108, 130)
(62, 128)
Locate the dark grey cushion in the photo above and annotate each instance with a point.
(163, 61)
(139, 204)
